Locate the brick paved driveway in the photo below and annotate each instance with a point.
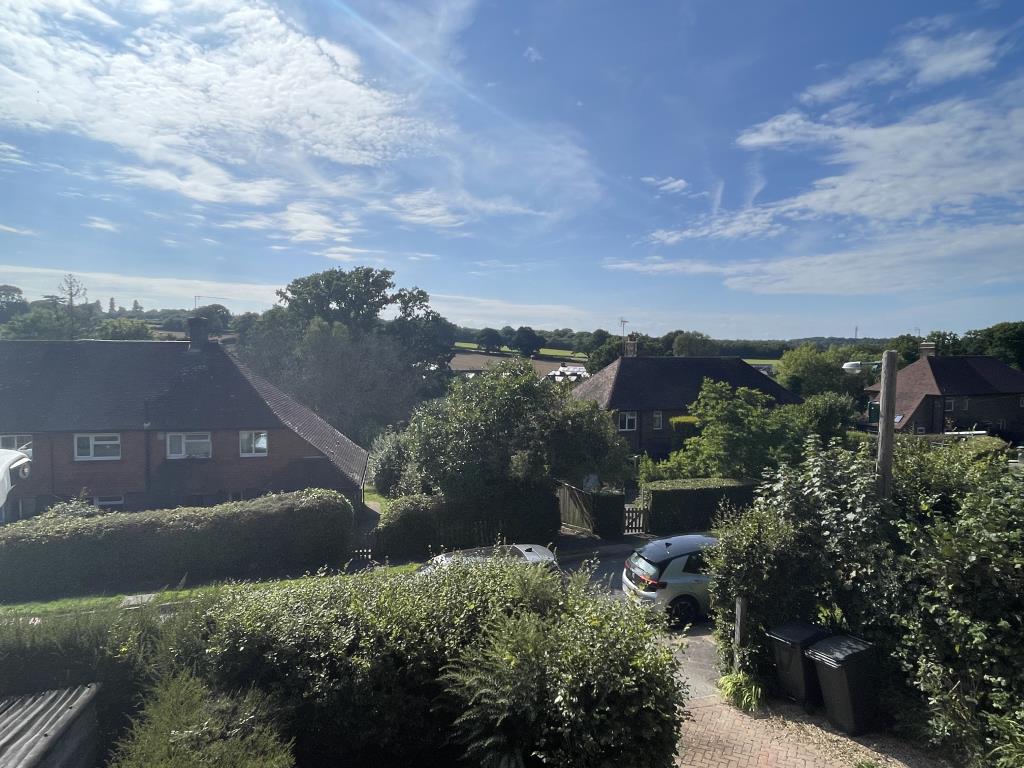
(720, 736)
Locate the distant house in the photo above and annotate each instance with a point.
(947, 394)
(645, 392)
(148, 424)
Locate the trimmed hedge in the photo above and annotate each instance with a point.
(281, 534)
(413, 527)
(687, 506)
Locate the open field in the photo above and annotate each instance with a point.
(761, 361)
(477, 361)
(545, 351)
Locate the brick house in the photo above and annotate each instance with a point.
(152, 424)
(963, 392)
(643, 393)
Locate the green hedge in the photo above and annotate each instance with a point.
(51, 557)
(413, 527)
(687, 506)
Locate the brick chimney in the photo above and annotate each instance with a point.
(630, 347)
(927, 349)
(198, 333)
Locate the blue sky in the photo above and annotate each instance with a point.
(746, 169)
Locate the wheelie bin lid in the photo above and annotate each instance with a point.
(838, 650)
(799, 633)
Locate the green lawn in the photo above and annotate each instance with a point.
(113, 602)
(760, 361)
(371, 494)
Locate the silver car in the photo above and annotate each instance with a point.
(530, 554)
(671, 575)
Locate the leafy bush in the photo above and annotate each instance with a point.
(934, 577)
(183, 723)
(387, 462)
(124, 651)
(408, 528)
(685, 506)
(394, 669)
(963, 639)
(742, 691)
(74, 508)
(124, 551)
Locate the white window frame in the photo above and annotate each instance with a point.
(658, 420)
(255, 453)
(920, 429)
(950, 404)
(96, 437)
(108, 502)
(187, 437)
(967, 403)
(16, 441)
(625, 417)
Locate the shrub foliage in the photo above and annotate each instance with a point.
(58, 556)
(934, 577)
(686, 506)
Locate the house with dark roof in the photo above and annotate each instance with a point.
(153, 424)
(643, 393)
(964, 392)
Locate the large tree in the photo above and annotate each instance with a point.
(527, 341)
(808, 370)
(505, 425)
(489, 339)
(356, 369)
(12, 302)
(693, 344)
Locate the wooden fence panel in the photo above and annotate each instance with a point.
(576, 507)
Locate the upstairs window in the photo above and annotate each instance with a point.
(627, 421)
(253, 443)
(97, 447)
(189, 445)
(950, 404)
(658, 420)
(967, 403)
(14, 442)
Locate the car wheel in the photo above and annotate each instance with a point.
(683, 610)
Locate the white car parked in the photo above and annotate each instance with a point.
(671, 575)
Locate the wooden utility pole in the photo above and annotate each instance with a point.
(886, 424)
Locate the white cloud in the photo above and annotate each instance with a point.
(300, 222)
(918, 60)
(920, 260)
(727, 225)
(11, 155)
(16, 230)
(195, 89)
(151, 291)
(954, 156)
(668, 185)
(449, 210)
(97, 222)
(532, 55)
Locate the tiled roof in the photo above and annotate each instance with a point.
(671, 383)
(957, 376)
(90, 386)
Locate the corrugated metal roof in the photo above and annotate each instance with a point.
(32, 723)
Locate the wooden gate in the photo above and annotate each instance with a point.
(576, 507)
(636, 519)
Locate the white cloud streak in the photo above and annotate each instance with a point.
(16, 230)
(98, 222)
(668, 185)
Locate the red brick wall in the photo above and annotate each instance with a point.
(291, 463)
